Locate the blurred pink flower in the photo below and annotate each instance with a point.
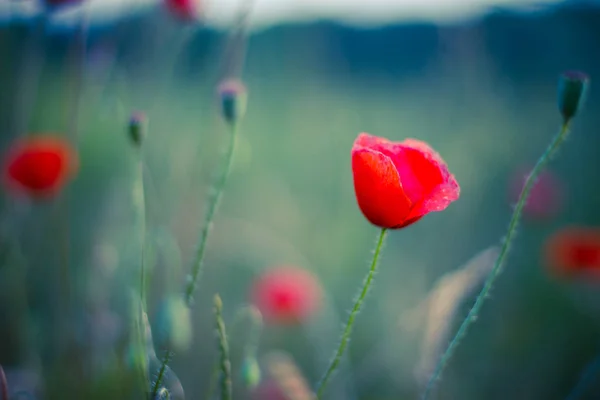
(186, 10)
(286, 295)
(546, 198)
(268, 390)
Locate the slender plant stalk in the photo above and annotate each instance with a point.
(587, 377)
(213, 203)
(251, 343)
(348, 328)
(139, 205)
(161, 373)
(139, 199)
(225, 364)
(512, 227)
(4, 384)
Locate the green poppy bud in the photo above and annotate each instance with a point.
(234, 98)
(572, 89)
(138, 126)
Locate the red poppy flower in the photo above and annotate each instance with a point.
(545, 199)
(39, 166)
(397, 183)
(575, 250)
(286, 295)
(187, 10)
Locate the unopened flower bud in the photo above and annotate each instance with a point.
(234, 98)
(250, 372)
(572, 89)
(138, 126)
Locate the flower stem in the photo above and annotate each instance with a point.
(161, 373)
(512, 227)
(215, 195)
(348, 328)
(225, 364)
(139, 205)
(139, 198)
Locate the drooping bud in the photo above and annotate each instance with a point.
(138, 126)
(250, 372)
(174, 324)
(572, 89)
(234, 98)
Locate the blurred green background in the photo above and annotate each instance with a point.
(482, 93)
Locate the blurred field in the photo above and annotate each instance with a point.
(482, 94)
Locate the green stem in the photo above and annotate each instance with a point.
(139, 205)
(213, 202)
(161, 373)
(348, 328)
(512, 227)
(225, 364)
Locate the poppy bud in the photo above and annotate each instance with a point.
(572, 88)
(234, 98)
(138, 126)
(174, 324)
(250, 372)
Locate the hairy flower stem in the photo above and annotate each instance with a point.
(512, 227)
(225, 364)
(348, 328)
(215, 195)
(161, 373)
(139, 205)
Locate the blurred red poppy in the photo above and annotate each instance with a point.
(574, 251)
(39, 166)
(187, 10)
(397, 183)
(546, 197)
(286, 295)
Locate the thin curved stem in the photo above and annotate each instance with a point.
(512, 227)
(213, 203)
(139, 205)
(161, 373)
(348, 328)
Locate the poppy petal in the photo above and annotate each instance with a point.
(421, 169)
(378, 189)
(439, 199)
